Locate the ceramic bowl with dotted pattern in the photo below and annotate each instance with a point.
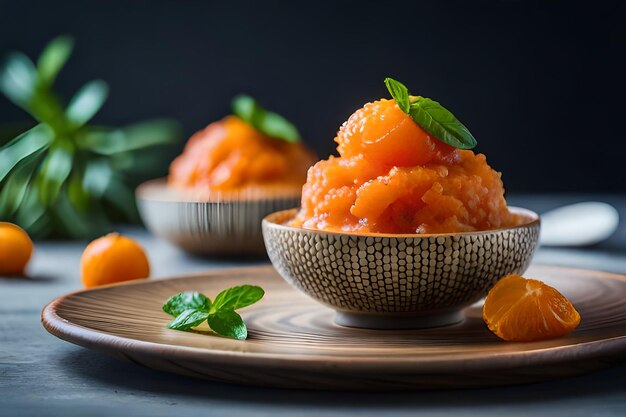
(398, 281)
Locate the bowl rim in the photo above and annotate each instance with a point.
(534, 220)
(146, 190)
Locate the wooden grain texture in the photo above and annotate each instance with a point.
(293, 341)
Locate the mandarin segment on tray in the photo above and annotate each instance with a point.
(113, 258)
(385, 134)
(16, 248)
(229, 154)
(394, 177)
(524, 310)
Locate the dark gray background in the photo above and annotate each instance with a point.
(540, 84)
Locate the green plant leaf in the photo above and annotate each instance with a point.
(53, 58)
(18, 79)
(76, 192)
(188, 319)
(441, 123)
(191, 300)
(54, 170)
(266, 122)
(37, 138)
(13, 190)
(150, 133)
(237, 297)
(228, 323)
(131, 138)
(67, 180)
(431, 116)
(31, 211)
(77, 225)
(87, 102)
(122, 198)
(399, 92)
(41, 228)
(97, 177)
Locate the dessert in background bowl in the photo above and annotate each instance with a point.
(230, 175)
(407, 226)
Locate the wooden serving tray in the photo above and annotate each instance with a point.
(293, 341)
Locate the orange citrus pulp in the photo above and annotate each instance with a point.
(229, 154)
(524, 310)
(394, 177)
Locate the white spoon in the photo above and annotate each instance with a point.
(580, 224)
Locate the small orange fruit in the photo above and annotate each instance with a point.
(113, 258)
(524, 310)
(16, 248)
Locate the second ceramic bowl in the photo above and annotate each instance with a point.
(215, 224)
(398, 281)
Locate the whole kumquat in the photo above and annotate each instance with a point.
(524, 310)
(16, 248)
(113, 258)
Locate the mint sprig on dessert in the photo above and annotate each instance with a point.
(269, 123)
(431, 116)
(191, 309)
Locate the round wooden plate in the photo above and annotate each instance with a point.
(293, 341)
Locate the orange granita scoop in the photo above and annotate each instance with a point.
(230, 154)
(383, 133)
(525, 310)
(404, 168)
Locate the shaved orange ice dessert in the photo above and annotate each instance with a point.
(404, 167)
(250, 151)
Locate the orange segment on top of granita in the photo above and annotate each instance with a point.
(383, 133)
(393, 175)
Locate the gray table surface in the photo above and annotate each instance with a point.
(42, 375)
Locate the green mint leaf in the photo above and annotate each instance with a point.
(191, 300)
(399, 92)
(87, 102)
(188, 319)
(228, 323)
(237, 297)
(266, 122)
(441, 123)
(431, 116)
(53, 58)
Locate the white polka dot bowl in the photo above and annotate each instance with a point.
(380, 281)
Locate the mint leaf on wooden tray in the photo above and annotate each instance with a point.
(190, 309)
